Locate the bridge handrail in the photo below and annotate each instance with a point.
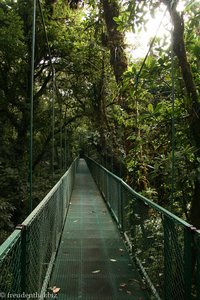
(162, 244)
(8, 243)
(143, 198)
(27, 256)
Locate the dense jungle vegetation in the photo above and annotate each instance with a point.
(127, 112)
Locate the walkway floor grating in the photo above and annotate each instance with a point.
(92, 262)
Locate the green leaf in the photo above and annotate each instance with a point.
(150, 108)
(158, 108)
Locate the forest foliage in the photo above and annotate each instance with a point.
(123, 111)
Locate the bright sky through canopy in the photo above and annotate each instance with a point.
(138, 43)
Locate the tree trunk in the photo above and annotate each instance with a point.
(115, 39)
(193, 105)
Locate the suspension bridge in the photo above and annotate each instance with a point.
(93, 237)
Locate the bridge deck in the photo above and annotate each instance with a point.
(92, 262)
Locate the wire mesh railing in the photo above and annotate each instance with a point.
(165, 247)
(27, 256)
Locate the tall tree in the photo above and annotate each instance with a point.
(115, 38)
(193, 101)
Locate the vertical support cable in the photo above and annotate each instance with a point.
(53, 123)
(61, 137)
(112, 158)
(173, 127)
(65, 154)
(31, 110)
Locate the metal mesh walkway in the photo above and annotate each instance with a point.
(92, 262)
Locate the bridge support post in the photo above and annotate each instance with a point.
(167, 260)
(23, 258)
(188, 262)
(120, 206)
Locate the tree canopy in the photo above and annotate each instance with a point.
(140, 117)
